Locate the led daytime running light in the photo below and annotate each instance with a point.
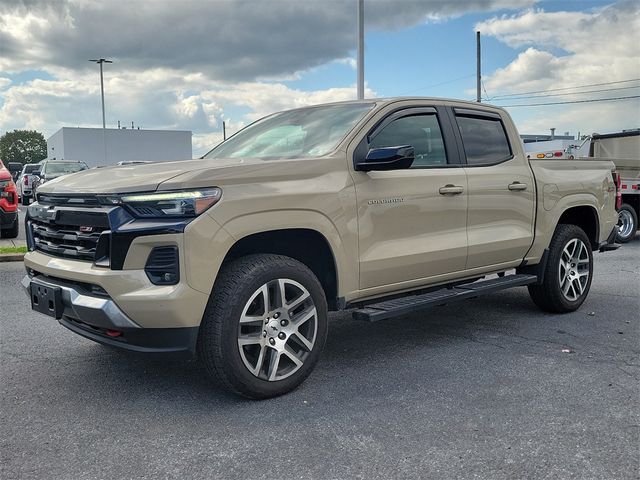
(154, 197)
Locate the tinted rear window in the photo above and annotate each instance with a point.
(485, 140)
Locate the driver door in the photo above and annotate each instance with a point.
(412, 222)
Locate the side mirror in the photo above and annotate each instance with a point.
(387, 158)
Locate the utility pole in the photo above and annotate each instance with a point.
(100, 61)
(478, 74)
(360, 49)
(224, 131)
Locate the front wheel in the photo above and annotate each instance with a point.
(627, 223)
(264, 327)
(568, 273)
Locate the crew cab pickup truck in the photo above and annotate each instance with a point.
(385, 207)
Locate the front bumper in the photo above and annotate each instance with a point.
(98, 256)
(96, 316)
(7, 219)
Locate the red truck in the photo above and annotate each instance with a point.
(9, 224)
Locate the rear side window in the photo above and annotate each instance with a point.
(422, 132)
(485, 140)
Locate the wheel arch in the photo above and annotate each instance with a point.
(585, 217)
(306, 245)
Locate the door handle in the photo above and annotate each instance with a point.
(516, 186)
(451, 190)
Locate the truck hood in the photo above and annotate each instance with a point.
(134, 178)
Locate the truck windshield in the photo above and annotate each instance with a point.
(56, 168)
(302, 133)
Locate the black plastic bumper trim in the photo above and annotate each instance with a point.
(7, 219)
(146, 340)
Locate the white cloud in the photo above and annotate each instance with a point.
(234, 40)
(187, 66)
(157, 99)
(565, 49)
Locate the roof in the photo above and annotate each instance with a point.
(389, 100)
(624, 133)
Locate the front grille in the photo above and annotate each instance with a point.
(68, 241)
(68, 200)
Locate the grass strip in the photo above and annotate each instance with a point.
(13, 250)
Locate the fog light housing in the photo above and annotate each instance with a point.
(163, 266)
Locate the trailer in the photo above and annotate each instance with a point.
(623, 148)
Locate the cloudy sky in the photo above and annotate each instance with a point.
(187, 64)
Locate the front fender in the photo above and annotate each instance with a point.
(207, 254)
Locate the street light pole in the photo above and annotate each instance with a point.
(100, 61)
(360, 87)
(478, 69)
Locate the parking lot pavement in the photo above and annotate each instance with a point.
(21, 237)
(480, 389)
(20, 241)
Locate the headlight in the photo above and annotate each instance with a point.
(182, 203)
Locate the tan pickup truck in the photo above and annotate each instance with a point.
(385, 207)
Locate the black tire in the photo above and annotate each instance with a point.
(26, 200)
(218, 337)
(627, 223)
(12, 231)
(549, 295)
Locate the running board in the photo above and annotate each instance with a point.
(416, 303)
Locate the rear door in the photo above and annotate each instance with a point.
(501, 189)
(412, 222)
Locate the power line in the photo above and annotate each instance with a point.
(436, 84)
(569, 93)
(574, 101)
(565, 88)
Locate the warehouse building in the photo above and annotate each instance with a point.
(101, 147)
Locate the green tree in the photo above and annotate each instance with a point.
(24, 146)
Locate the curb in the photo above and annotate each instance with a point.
(11, 257)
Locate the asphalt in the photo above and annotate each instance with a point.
(490, 388)
(20, 240)
(21, 212)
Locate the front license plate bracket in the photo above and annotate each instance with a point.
(46, 299)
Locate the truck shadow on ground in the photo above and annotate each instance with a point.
(352, 344)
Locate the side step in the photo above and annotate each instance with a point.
(416, 303)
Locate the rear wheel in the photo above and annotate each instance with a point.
(568, 273)
(627, 223)
(26, 200)
(264, 327)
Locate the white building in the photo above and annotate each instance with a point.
(98, 147)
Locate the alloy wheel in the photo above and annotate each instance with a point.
(574, 269)
(277, 329)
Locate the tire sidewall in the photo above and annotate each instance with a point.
(554, 266)
(230, 352)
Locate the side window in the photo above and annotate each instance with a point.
(422, 132)
(485, 140)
